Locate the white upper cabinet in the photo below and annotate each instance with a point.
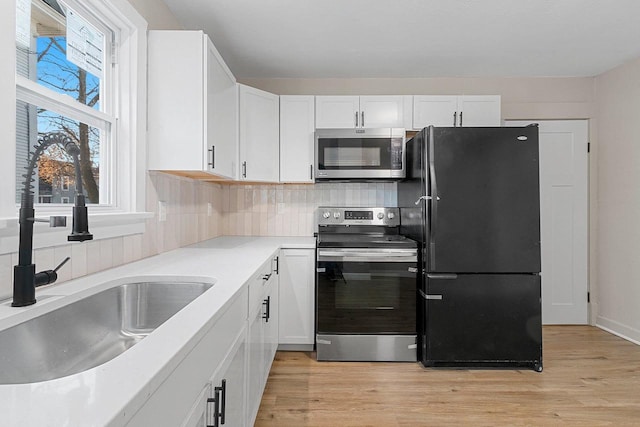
(446, 110)
(259, 135)
(192, 105)
(337, 111)
(382, 111)
(222, 115)
(478, 110)
(361, 111)
(297, 127)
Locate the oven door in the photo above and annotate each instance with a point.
(366, 291)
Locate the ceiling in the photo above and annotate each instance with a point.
(417, 38)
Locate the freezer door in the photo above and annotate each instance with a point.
(484, 214)
(482, 320)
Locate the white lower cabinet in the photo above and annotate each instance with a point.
(179, 398)
(296, 300)
(262, 334)
(220, 381)
(222, 401)
(197, 416)
(226, 401)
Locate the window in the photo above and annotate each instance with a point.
(99, 100)
(66, 53)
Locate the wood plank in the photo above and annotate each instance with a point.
(590, 378)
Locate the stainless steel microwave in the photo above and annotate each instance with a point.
(360, 154)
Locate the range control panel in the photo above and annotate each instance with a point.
(389, 217)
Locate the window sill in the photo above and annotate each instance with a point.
(104, 225)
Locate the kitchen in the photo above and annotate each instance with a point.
(196, 210)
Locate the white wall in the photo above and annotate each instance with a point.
(618, 235)
(157, 14)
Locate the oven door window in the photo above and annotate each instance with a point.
(366, 298)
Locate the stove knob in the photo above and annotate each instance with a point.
(336, 215)
(380, 215)
(326, 215)
(391, 215)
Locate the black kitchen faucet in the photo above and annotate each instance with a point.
(25, 278)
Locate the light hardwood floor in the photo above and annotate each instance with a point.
(590, 378)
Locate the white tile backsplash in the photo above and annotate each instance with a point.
(79, 259)
(6, 275)
(288, 210)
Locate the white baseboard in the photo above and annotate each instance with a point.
(616, 328)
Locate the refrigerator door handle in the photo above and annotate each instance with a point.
(433, 189)
(421, 198)
(442, 276)
(430, 296)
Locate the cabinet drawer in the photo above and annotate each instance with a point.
(258, 285)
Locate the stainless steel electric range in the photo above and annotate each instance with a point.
(365, 286)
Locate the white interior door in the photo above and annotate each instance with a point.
(563, 219)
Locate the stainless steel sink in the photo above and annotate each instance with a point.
(90, 331)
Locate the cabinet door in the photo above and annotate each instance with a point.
(297, 125)
(337, 112)
(479, 110)
(259, 135)
(296, 298)
(222, 115)
(176, 100)
(381, 111)
(255, 365)
(434, 110)
(271, 321)
(228, 385)
(197, 416)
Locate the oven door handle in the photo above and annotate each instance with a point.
(368, 255)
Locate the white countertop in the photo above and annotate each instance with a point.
(109, 394)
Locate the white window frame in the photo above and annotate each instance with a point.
(126, 213)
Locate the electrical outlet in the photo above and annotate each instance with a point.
(162, 211)
(280, 207)
(209, 209)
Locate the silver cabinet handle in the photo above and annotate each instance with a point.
(362, 121)
(455, 117)
(356, 119)
(311, 172)
(244, 169)
(460, 118)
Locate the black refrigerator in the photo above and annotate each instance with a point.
(472, 200)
